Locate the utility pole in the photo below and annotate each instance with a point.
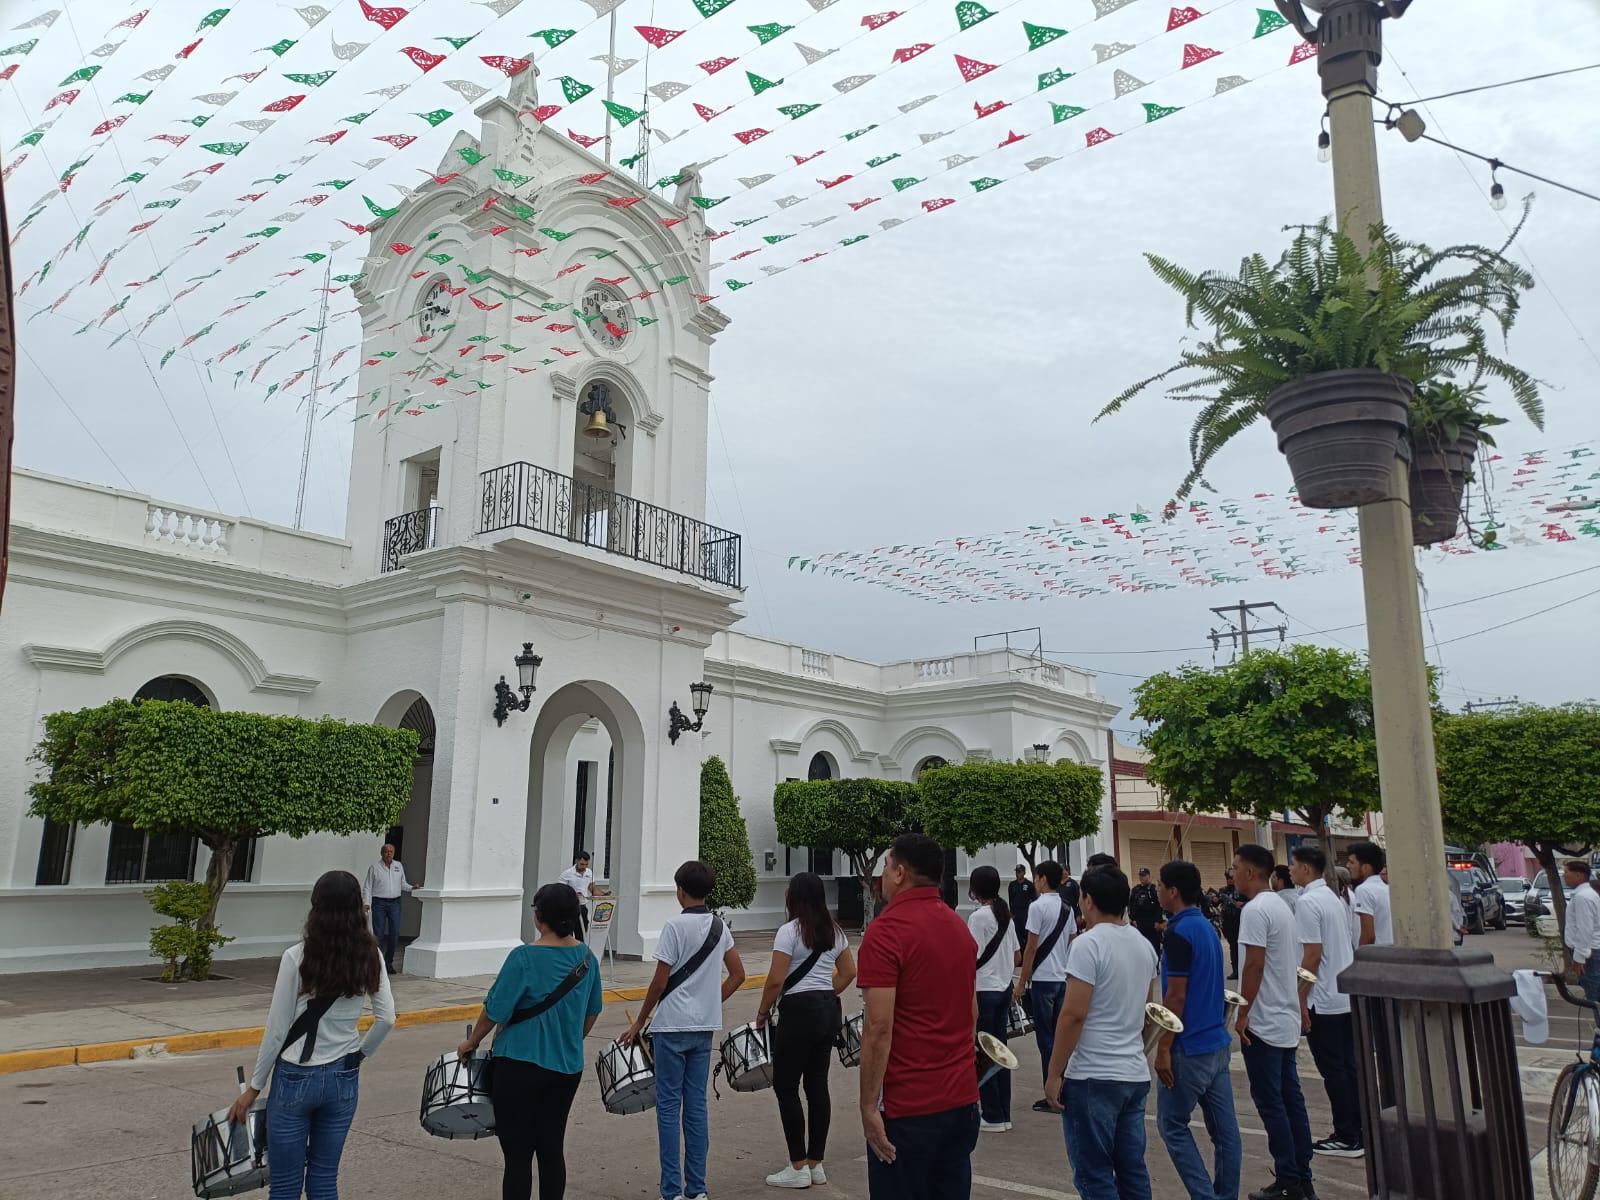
(311, 399)
(1239, 627)
(1472, 706)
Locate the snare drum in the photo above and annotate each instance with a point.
(848, 1043)
(225, 1159)
(746, 1059)
(455, 1103)
(1018, 1022)
(627, 1077)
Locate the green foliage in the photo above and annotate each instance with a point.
(1442, 412)
(1403, 308)
(1276, 730)
(724, 840)
(1023, 804)
(860, 817)
(187, 946)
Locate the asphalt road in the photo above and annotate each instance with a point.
(121, 1130)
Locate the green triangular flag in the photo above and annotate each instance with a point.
(437, 117)
(438, 256)
(970, 13)
(555, 234)
(709, 7)
(337, 185)
(512, 177)
(796, 111)
(643, 321)
(1268, 21)
(901, 185)
(675, 280)
(212, 18)
(81, 75)
(269, 231)
(1063, 112)
(314, 256)
(224, 147)
(769, 31)
(357, 118)
(574, 90)
(474, 276)
(850, 137)
(458, 42)
(554, 37)
(1154, 112)
(634, 158)
(199, 121)
(1038, 35)
(132, 97)
(280, 48)
(851, 241)
(758, 84)
(772, 239)
(32, 139)
(882, 158)
(733, 285)
(1051, 78)
(470, 156)
(134, 177)
(383, 214)
(984, 184)
(315, 79)
(624, 115)
(706, 201)
(20, 47)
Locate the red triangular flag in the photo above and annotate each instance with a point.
(1197, 54)
(971, 68)
(512, 67)
(1182, 16)
(751, 135)
(423, 58)
(656, 36)
(387, 17)
(283, 105)
(907, 53)
(713, 65)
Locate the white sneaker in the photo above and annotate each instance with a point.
(818, 1175)
(790, 1177)
(994, 1126)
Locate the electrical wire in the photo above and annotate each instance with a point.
(67, 404)
(1500, 164)
(1514, 620)
(1489, 87)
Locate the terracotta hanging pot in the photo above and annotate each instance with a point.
(1341, 431)
(1438, 480)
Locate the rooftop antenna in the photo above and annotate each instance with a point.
(311, 399)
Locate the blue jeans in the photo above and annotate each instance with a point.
(386, 927)
(309, 1111)
(1046, 1000)
(994, 1009)
(1201, 1079)
(683, 1066)
(1104, 1127)
(1275, 1091)
(1589, 980)
(933, 1157)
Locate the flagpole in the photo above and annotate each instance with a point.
(611, 77)
(311, 400)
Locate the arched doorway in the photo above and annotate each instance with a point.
(585, 792)
(952, 861)
(409, 833)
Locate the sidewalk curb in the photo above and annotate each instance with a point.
(17, 1061)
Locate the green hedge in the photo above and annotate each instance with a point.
(859, 817)
(978, 804)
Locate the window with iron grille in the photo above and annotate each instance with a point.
(55, 854)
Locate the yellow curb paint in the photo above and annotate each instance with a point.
(228, 1039)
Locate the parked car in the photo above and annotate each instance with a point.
(1512, 891)
(1536, 902)
(1481, 901)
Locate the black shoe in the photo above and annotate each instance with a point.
(1042, 1106)
(1334, 1148)
(1297, 1190)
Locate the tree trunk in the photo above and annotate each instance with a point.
(1028, 850)
(864, 867)
(1330, 873)
(217, 872)
(1546, 854)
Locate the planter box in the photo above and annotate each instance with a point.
(1341, 431)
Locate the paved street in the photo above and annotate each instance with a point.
(121, 1130)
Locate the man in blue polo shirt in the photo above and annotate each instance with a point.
(1193, 1065)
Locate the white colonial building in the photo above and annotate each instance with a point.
(475, 527)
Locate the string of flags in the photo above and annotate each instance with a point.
(1543, 498)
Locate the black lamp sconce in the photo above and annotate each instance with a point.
(678, 723)
(1041, 751)
(505, 700)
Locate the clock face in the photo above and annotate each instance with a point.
(607, 316)
(436, 309)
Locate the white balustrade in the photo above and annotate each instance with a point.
(192, 531)
(815, 662)
(935, 668)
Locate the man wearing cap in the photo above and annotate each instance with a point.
(1144, 909)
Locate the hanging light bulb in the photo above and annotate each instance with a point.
(1324, 147)
(1497, 193)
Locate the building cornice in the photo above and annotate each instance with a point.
(95, 662)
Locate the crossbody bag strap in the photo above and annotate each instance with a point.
(990, 950)
(573, 978)
(1052, 937)
(696, 960)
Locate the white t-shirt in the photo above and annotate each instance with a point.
(820, 977)
(1372, 897)
(1275, 1015)
(1043, 914)
(578, 881)
(995, 975)
(695, 1005)
(1322, 919)
(1118, 962)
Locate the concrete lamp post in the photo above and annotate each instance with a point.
(1442, 1108)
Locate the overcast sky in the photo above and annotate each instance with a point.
(935, 380)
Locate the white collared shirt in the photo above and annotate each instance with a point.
(1583, 923)
(1372, 899)
(578, 881)
(384, 881)
(1322, 919)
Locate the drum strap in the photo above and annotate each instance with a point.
(800, 972)
(993, 947)
(573, 978)
(1051, 938)
(695, 960)
(305, 1025)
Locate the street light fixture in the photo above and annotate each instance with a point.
(505, 700)
(678, 723)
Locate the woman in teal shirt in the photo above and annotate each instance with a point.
(539, 1061)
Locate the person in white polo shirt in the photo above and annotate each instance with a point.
(1050, 929)
(1366, 861)
(1583, 928)
(385, 882)
(580, 879)
(1269, 1024)
(1322, 922)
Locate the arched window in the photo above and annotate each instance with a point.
(821, 767)
(930, 763)
(817, 858)
(138, 856)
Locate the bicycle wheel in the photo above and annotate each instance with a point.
(1574, 1132)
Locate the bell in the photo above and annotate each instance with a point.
(597, 427)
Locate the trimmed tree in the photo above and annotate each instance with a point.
(1275, 731)
(1028, 805)
(724, 840)
(1528, 775)
(859, 817)
(221, 777)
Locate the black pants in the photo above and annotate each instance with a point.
(1233, 953)
(802, 1049)
(1333, 1049)
(933, 1157)
(530, 1118)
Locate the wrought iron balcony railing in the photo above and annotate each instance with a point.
(531, 497)
(410, 532)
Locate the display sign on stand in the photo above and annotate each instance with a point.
(603, 912)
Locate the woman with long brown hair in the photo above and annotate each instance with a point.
(312, 1048)
(807, 994)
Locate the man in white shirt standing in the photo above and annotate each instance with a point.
(1583, 928)
(1367, 861)
(580, 879)
(1269, 1024)
(1322, 922)
(381, 889)
(1050, 928)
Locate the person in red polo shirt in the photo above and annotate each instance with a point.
(919, 1079)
